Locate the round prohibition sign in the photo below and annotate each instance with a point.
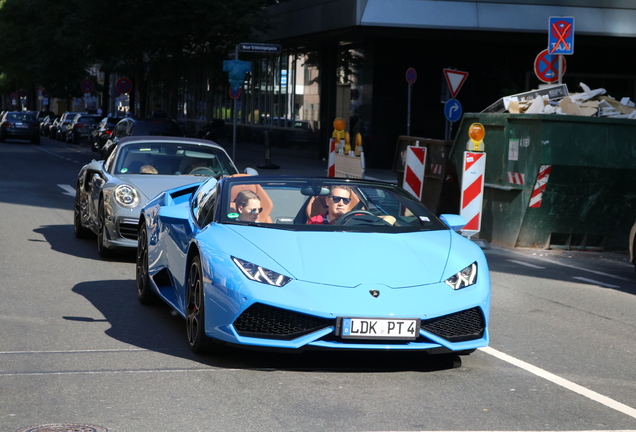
(87, 86)
(123, 85)
(546, 66)
(235, 94)
(411, 75)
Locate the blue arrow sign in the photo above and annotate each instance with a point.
(453, 110)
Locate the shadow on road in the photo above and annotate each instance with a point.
(157, 328)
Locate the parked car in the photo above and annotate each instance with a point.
(138, 127)
(81, 126)
(399, 279)
(111, 193)
(102, 132)
(45, 124)
(20, 125)
(58, 128)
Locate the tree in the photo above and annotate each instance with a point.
(151, 42)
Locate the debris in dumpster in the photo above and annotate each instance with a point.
(557, 100)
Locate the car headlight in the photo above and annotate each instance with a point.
(126, 196)
(260, 274)
(463, 278)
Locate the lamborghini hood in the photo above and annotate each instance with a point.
(353, 258)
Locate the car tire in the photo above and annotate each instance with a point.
(195, 311)
(145, 295)
(80, 230)
(103, 251)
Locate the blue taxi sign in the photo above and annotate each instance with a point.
(561, 36)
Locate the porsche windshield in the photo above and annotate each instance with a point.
(323, 205)
(172, 158)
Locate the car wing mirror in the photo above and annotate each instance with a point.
(453, 221)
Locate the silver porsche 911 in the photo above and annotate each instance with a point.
(111, 193)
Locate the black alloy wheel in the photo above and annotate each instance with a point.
(195, 311)
(144, 293)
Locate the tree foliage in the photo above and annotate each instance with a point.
(52, 44)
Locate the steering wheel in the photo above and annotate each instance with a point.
(347, 216)
(203, 171)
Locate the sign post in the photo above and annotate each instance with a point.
(237, 69)
(452, 108)
(411, 77)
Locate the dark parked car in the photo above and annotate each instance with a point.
(20, 125)
(58, 128)
(104, 130)
(81, 126)
(137, 127)
(45, 125)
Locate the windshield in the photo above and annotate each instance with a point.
(322, 205)
(172, 158)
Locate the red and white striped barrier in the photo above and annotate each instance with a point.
(539, 186)
(414, 170)
(516, 178)
(331, 161)
(472, 191)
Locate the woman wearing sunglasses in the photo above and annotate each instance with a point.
(337, 204)
(248, 206)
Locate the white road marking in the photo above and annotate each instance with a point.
(597, 397)
(57, 155)
(68, 190)
(526, 264)
(595, 282)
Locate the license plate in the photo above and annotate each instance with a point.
(379, 328)
(21, 125)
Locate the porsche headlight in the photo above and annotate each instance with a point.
(260, 274)
(126, 196)
(464, 278)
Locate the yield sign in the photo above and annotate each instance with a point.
(455, 80)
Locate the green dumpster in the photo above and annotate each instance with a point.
(589, 199)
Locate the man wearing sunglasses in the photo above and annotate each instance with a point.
(338, 202)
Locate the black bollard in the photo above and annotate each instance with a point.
(268, 153)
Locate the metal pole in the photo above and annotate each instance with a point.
(234, 114)
(408, 119)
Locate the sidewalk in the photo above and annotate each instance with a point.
(291, 161)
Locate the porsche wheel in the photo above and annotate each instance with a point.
(103, 251)
(144, 293)
(80, 231)
(195, 310)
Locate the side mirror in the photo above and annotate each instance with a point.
(251, 171)
(453, 221)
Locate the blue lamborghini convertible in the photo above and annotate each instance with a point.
(312, 263)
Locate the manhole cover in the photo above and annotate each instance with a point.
(63, 427)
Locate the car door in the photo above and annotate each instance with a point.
(98, 179)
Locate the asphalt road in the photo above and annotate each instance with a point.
(77, 348)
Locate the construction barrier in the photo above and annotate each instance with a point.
(441, 191)
(472, 194)
(414, 170)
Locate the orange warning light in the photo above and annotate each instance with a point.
(476, 132)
